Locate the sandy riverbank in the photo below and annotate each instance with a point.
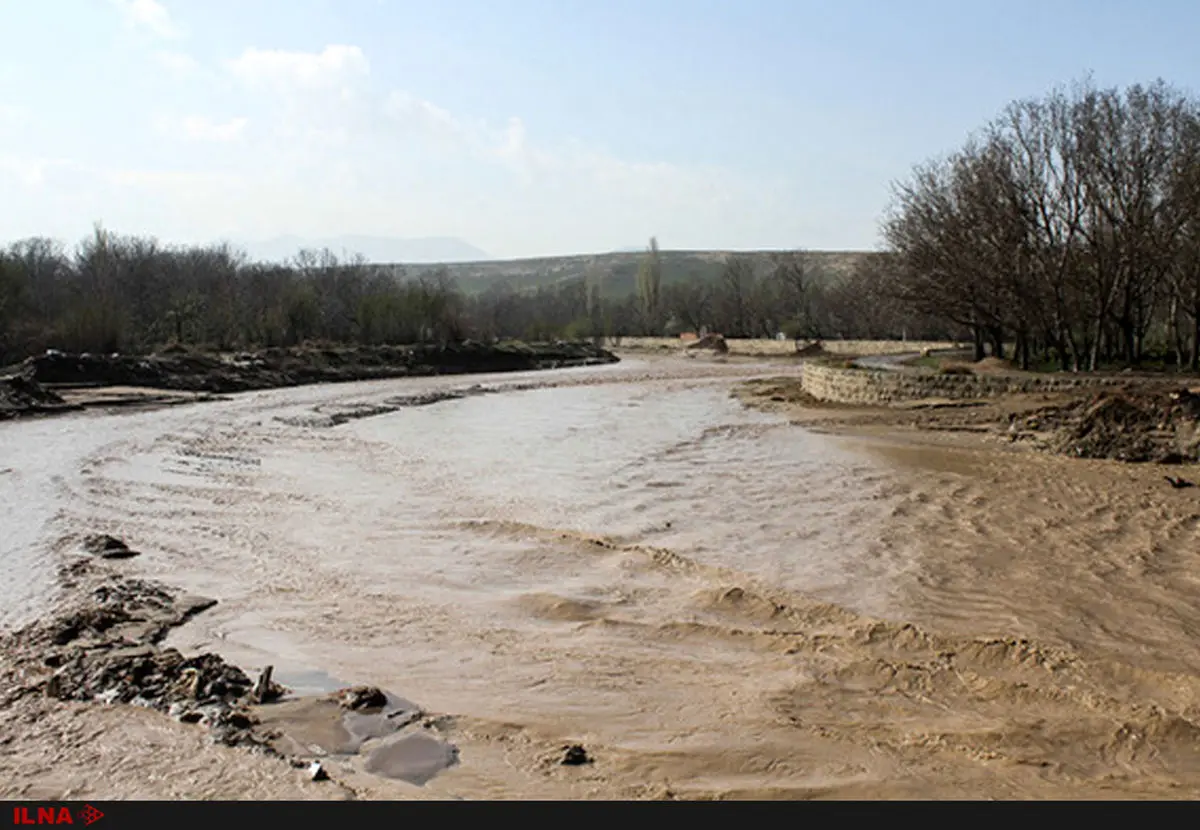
(1083, 551)
(1036, 640)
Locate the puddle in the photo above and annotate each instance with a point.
(309, 727)
(319, 726)
(415, 758)
(308, 681)
(370, 724)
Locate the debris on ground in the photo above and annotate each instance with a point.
(105, 647)
(358, 698)
(1134, 425)
(108, 547)
(575, 755)
(266, 689)
(1139, 420)
(713, 342)
(21, 394)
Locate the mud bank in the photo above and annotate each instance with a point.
(103, 650)
(36, 385)
(1148, 421)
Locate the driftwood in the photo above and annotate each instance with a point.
(264, 689)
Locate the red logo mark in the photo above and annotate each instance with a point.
(55, 815)
(42, 815)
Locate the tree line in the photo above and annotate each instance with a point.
(115, 293)
(1069, 227)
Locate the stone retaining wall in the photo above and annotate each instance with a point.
(748, 346)
(876, 387)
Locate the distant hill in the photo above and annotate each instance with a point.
(375, 248)
(617, 271)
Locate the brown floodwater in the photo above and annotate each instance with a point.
(713, 601)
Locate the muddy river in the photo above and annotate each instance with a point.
(619, 556)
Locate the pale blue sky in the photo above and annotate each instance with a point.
(525, 127)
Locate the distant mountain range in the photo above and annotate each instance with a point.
(375, 248)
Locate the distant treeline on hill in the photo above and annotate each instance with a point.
(115, 293)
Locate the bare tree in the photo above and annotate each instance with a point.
(649, 285)
(796, 282)
(1060, 225)
(734, 294)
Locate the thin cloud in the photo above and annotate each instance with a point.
(31, 171)
(511, 147)
(410, 110)
(333, 66)
(177, 63)
(149, 16)
(201, 128)
(13, 118)
(425, 119)
(320, 150)
(171, 182)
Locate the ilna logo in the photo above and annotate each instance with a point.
(56, 815)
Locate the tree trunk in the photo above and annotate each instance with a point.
(1070, 357)
(998, 343)
(1129, 337)
(1195, 356)
(1175, 334)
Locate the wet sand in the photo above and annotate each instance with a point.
(714, 601)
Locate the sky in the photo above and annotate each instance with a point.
(526, 127)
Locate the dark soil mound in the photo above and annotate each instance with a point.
(106, 648)
(714, 342)
(1116, 427)
(22, 395)
(178, 369)
(1127, 425)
